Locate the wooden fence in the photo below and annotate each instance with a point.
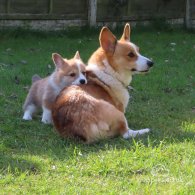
(190, 14)
(92, 11)
(43, 9)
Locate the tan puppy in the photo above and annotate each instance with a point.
(44, 91)
(96, 110)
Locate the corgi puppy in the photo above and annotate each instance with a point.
(96, 110)
(44, 91)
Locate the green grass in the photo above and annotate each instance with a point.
(35, 160)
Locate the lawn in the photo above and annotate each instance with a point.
(35, 160)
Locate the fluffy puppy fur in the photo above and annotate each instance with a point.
(44, 91)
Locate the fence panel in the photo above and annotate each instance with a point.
(117, 10)
(193, 9)
(3, 6)
(71, 9)
(28, 7)
(43, 9)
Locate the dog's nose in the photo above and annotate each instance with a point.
(82, 81)
(150, 63)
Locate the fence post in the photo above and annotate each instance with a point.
(50, 6)
(8, 6)
(92, 11)
(188, 14)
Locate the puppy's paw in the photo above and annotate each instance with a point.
(46, 117)
(27, 117)
(46, 121)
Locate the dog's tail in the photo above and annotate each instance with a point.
(35, 78)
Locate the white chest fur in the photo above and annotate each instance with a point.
(111, 78)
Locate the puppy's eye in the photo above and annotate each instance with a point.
(72, 74)
(84, 73)
(131, 54)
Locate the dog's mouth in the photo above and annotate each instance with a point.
(135, 70)
(144, 71)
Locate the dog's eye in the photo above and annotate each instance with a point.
(72, 74)
(84, 73)
(131, 54)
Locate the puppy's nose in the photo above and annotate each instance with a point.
(82, 81)
(150, 63)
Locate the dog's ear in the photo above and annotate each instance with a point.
(77, 56)
(58, 60)
(107, 40)
(126, 33)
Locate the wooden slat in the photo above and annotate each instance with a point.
(42, 16)
(29, 6)
(192, 10)
(70, 7)
(3, 6)
(8, 6)
(50, 6)
(132, 18)
(142, 9)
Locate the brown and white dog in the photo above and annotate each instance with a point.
(96, 110)
(44, 91)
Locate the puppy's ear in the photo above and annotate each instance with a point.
(126, 33)
(77, 56)
(107, 40)
(58, 60)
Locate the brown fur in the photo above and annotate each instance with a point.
(81, 112)
(35, 93)
(96, 110)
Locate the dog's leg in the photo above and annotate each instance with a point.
(46, 117)
(117, 122)
(30, 109)
(132, 133)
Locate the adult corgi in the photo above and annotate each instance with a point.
(96, 110)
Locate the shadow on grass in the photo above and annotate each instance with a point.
(35, 139)
(17, 165)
